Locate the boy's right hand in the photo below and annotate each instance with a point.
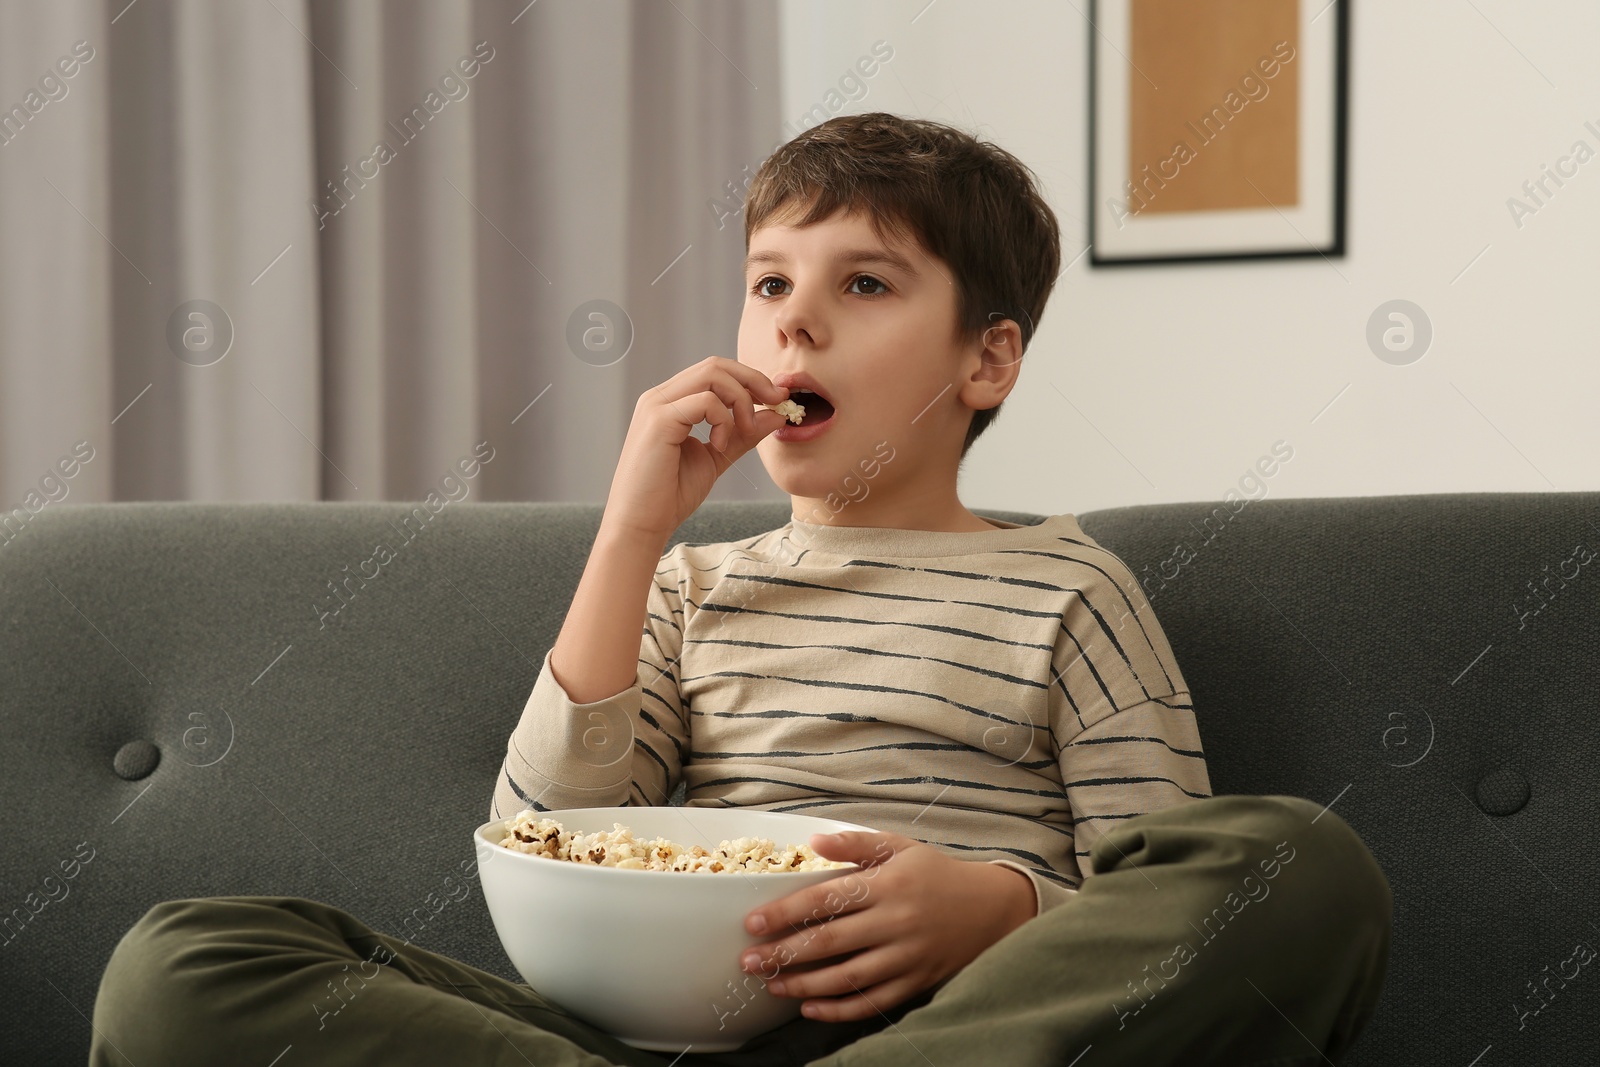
(664, 472)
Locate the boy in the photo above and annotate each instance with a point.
(994, 698)
(997, 701)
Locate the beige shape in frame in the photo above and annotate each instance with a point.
(1219, 129)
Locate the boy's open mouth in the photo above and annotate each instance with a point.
(818, 408)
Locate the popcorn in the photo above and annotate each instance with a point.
(618, 847)
(789, 410)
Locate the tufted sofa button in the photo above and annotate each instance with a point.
(1503, 791)
(136, 759)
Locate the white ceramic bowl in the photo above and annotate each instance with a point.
(651, 957)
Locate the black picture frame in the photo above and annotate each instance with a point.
(1335, 247)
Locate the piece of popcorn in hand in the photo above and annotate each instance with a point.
(789, 410)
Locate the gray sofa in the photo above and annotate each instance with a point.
(189, 709)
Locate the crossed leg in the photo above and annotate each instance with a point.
(1240, 930)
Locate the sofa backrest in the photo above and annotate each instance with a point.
(1426, 665)
(314, 700)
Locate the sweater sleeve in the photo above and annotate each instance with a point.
(628, 748)
(1143, 758)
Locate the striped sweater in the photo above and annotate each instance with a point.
(1006, 696)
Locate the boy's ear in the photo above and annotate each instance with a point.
(1002, 343)
(990, 370)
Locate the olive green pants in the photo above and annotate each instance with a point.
(1239, 930)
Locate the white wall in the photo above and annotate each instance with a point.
(1181, 377)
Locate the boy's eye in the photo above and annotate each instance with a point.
(881, 288)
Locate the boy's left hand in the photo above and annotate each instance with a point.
(912, 918)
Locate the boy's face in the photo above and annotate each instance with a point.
(873, 321)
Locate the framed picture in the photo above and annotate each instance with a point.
(1217, 129)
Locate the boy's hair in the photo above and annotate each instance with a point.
(969, 202)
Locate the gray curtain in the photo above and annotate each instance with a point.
(280, 250)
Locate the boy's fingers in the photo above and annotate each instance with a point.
(753, 380)
(866, 847)
(863, 1003)
(802, 950)
(835, 897)
(719, 418)
(737, 445)
(739, 387)
(860, 970)
(764, 421)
